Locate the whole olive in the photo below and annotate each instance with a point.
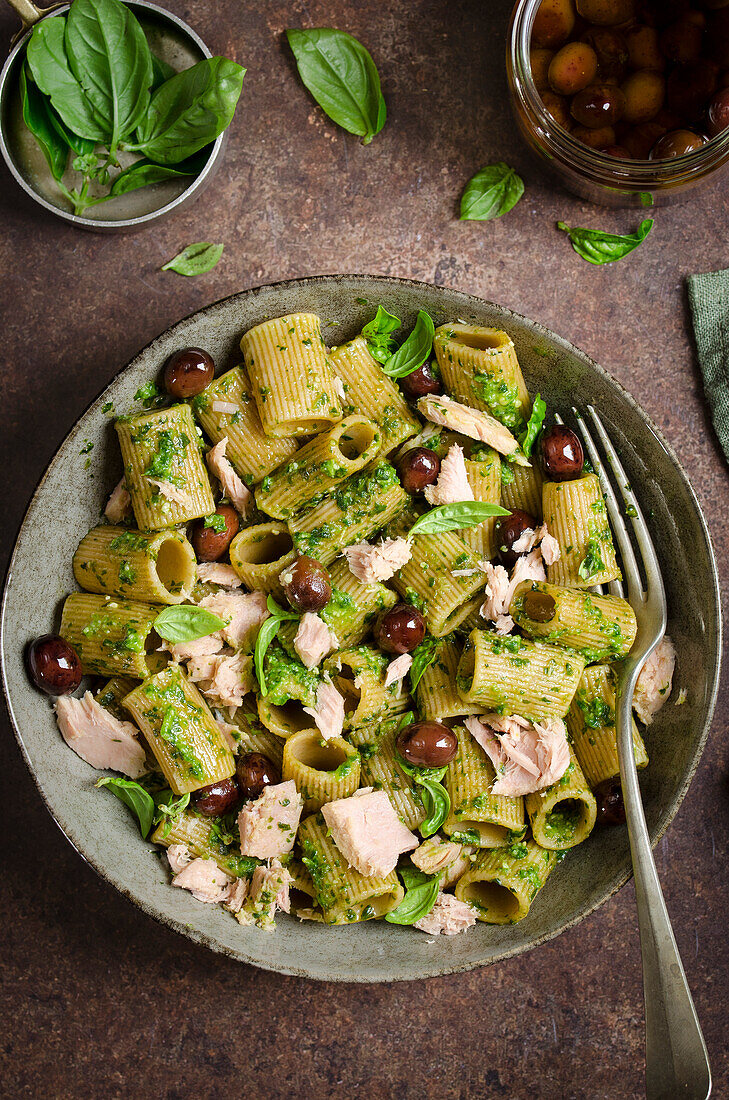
(691, 86)
(643, 49)
(539, 64)
(644, 93)
(54, 665)
(719, 112)
(254, 771)
(617, 151)
(611, 51)
(572, 68)
(427, 744)
(596, 139)
(682, 40)
(553, 23)
(417, 468)
(188, 372)
(400, 629)
(558, 107)
(561, 454)
(211, 537)
(539, 606)
(598, 105)
(508, 530)
(676, 143)
(420, 382)
(306, 584)
(217, 798)
(606, 13)
(639, 140)
(610, 806)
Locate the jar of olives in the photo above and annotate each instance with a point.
(625, 101)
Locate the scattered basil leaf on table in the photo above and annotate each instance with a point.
(144, 172)
(493, 191)
(196, 259)
(421, 894)
(342, 77)
(454, 517)
(48, 61)
(416, 349)
(605, 248)
(423, 657)
(184, 622)
(533, 428)
(378, 334)
(437, 803)
(36, 115)
(135, 797)
(267, 632)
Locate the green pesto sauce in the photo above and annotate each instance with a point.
(502, 399)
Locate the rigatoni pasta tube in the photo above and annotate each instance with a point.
(591, 726)
(291, 377)
(205, 839)
(515, 676)
(260, 553)
(113, 637)
(602, 628)
(436, 693)
(563, 815)
(183, 735)
(478, 816)
(484, 476)
(252, 736)
(321, 770)
(575, 514)
(164, 469)
(359, 677)
(158, 567)
(367, 390)
(521, 488)
(319, 466)
(344, 895)
(290, 688)
(381, 770)
(502, 884)
(111, 694)
(480, 368)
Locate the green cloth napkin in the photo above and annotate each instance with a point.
(709, 301)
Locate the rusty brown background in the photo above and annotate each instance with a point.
(98, 1000)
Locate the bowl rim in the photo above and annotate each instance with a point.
(209, 941)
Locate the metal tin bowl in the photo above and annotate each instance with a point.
(181, 40)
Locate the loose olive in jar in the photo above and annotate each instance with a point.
(572, 68)
(606, 12)
(598, 105)
(553, 23)
(644, 93)
(611, 52)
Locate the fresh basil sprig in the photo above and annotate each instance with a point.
(533, 428)
(493, 191)
(267, 632)
(605, 248)
(342, 77)
(378, 334)
(185, 622)
(423, 657)
(195, 259)
(416, 349)
(454, 517)
(169, 809)
(134, 796)
(437, 803)
(144, 172)
(421, 894)
(51, 71)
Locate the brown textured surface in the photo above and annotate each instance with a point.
(98, 1000)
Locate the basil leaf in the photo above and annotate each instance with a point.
(80, 145)
(342, 77)
(161, 71)
(423, 657)
(135, 797)
(527, 439)
(605, 248)
(184, 622)
(416, 349)
(190, 110)
(420, 775)
(169, 808)
(49, 65)
(412, 876)
(377, 333)
(437, 806)
(493, 191)
(144, 173)
(419, 899)
(36, 116)
(454, 517)
(196, 259)
(268, 630)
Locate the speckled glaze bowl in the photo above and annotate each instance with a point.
(68, 502)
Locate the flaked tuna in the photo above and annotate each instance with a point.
(170, 492)
(500, 587)
(398, 669)
(655, 681)
(233, 488)
(216, 573)
(368, 832)
(530, 539)
(204, 879)
(268, 825)
(269, 891)
(99, 738)
(223, 678)
(198, 647)
(328, 714)
(526, 756)
(242, 612)
(471, 422)
(370, 563)
(435, 854)
(448, 917)
(178, 856)
(119, 505)
(314, 640)
(452, 486)
(236, 894)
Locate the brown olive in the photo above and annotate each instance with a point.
(682, 40)
(676, 143)
(400, 629)
(611, 52)
(54, 665)
(427, 744)
(188, 372)
(596, 139)
(211, 537)
(643, 49)
(553, 23)
(420, 383)
(644, 93)
(417, 468)
(610, 806)
(572, 68)
(558, 107)
(598, 105)
(691, 86)
(254, 771)
(217, 798)
(606, 13)
(507, 531)
(639, 140)
(561, 454)
(306, 584)
(617, 151)
(719, 112)
(539, 606)
(539, 63)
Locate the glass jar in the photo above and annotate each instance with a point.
(585, 171)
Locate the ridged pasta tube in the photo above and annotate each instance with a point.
(321, 770)
(111, 694)
(591, 726)
(563, 815)
(319, 466)
(164, 469)
(252, 736)
(602, 628)
(206, 840)
(380, 769)
(436, 693)
(502, 884)
(575, 514)
(478, 816)
(113, 637)
(480, 369)
(158, 567)
(291, 377)
(515, 676)
(521, 488)
(180, 730)
(369, 391)
(260, 553)
(484, 477)
(359, 676)
(290, 687)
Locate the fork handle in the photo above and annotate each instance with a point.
(677, 1064)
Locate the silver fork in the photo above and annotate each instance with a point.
(677, 1064)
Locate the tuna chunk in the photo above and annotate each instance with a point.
(527, 756)
(268, 825)
(550, 549)
(204, 879)
(448, 917)
(230, 733)
(98, 737)
(466, 421)
(236, 894)
(178, 856)
(198, 647)
(398, 669)
(531, 539)
(435, 854)
(215, 573)
(655, 681)
(169, 491)
(243, 613)
(225, 680)
(500, 587)
(119, 504)
(370, 564)
(328, 714)
(368, 832)
(237, 493)
(269, 891)
(452, 486)
(314, 640)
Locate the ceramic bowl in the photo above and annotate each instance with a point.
(68, 502)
